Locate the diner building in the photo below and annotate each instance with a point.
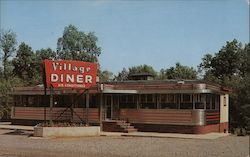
(176, 106)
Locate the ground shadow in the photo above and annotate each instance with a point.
(20, 132)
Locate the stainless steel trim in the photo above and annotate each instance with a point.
(199, 86)
(119, 91)
(198, 117)
(177, 91)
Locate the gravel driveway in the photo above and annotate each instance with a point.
(19, 144)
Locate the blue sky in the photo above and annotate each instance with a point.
(154, 32)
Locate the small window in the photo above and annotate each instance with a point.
(171, 98)
(147, 98)
(92, 101)
(128, 101)
(147, 101)
(187, 98)
(124, 98)
(164, 98)
(143, 98)
(225, 101)
(31, 101)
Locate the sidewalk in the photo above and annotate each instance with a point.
(209, 136)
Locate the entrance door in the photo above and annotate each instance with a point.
(108, 107)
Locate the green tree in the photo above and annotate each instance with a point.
(122, 76)
(45, 54)
(77, 45)
(224, 65)
(231, 67)
(37, 68)
(7, 45)
(178, 72)
(106, 76)
(142, 69)
(24, 62)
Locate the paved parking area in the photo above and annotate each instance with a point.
(22, 144)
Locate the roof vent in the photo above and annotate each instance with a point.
(141, 76)
(181, 82)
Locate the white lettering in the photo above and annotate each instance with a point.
(74, 68)
(54, 77)
(88, 69)
(81, 69)
(79, 79)
(54, 66)
(88, 79)
(69, 78)
(61, 78)
(69, 67)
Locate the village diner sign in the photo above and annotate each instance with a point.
(70, 74)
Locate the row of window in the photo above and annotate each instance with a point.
(151, 101)
(170, 101)
(58, 101)
(164, 98)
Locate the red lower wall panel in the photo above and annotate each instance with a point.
(186, 129)
(224, 127)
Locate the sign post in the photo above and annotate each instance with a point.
(87, 108)
(51, 105)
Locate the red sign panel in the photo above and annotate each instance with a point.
(70, 74)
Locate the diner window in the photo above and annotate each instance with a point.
(216, 102)
(63, 101)
(44, 101)
(168, 101)
(186, 101)
(128, 101)
(208, 101)
(164, 97)
(147, 101)
(213, 102)
(92, 101)
(186, 98)
(18, 100)
(31, 101)
(199, 101)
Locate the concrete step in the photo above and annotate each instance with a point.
(119, 126)
(127, 127)
(130, 130)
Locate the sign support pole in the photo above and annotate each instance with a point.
(101, 109)
(87, 108)
(45, 90)
(51, 105)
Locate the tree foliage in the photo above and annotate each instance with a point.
(122, 76)
(225, 64)
(231, 67)
(140, 69)
(7, 44)
(77, 45)
(106, 76)
(178, 72)
(24, 62)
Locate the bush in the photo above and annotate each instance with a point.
(240, 131)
